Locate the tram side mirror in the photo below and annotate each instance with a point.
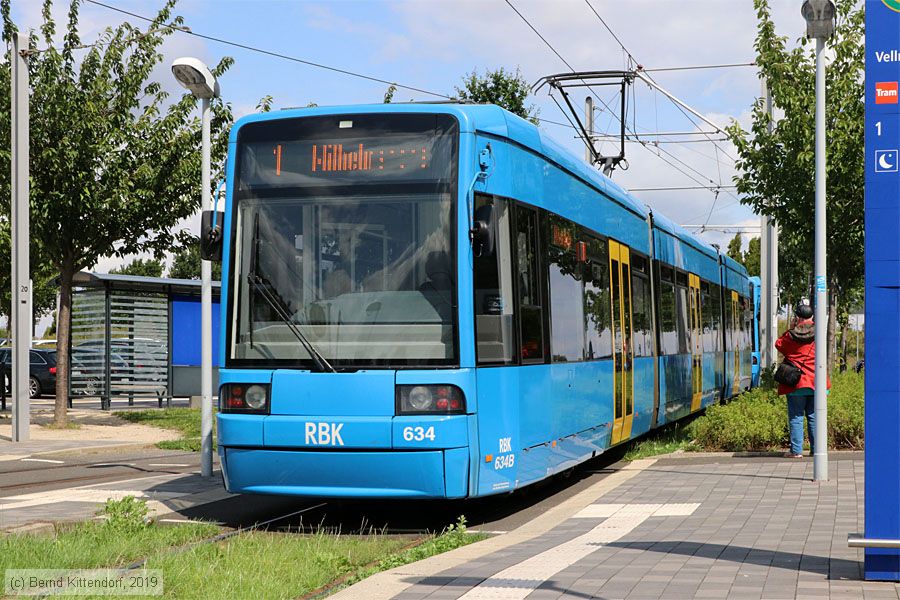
(482, 233)
(211, 235)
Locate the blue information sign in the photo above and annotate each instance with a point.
(882, 493)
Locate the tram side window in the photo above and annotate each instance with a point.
(681, 303)
(729, 322)
(667, 318)
(530, 306)
(704, 317)
(640, 299)
(567, 333)
(714, 317)
(597, 310)
(493, 281)
(748, 325)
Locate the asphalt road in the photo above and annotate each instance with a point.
(493, 514)
(69, 469)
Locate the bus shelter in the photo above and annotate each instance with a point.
(137, 337)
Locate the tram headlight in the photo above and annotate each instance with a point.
(255, 397)
(430, 399)
(420, 398)
(244, 398)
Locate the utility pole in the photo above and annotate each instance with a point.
(768, 266)
(194, 75)
(589, 126)
(20, 328)
(820, 15)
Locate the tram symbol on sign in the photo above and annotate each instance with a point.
(886, 161)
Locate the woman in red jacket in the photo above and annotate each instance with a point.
(798, 346)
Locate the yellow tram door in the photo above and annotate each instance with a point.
(735, 346)
(696, 343)
(623, 351)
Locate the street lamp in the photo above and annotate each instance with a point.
(819, 15)
(194, 75)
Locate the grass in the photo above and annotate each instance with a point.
(665, 441)
(184, 420)
(268, 565)
(96, 544)
(68, 425)
(455, 536)
(254, 564)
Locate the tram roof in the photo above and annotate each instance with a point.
(661, 221)
(733, 264)
(494, 120)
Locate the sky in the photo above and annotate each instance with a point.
(433, 44)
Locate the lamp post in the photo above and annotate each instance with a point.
(819, 15)
(194, 75)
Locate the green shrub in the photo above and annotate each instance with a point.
(846, 412)
(128, 514)
(757, 420)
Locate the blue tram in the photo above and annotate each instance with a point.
(438, 301)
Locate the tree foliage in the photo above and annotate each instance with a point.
(751, 258)
(141, 267)
(186, 260)
(115, 163)
(776, 169)
(500, 87)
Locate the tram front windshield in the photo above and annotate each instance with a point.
(343, 242)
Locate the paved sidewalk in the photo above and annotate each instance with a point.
(709, 527)
(165, 493)
(96, 429)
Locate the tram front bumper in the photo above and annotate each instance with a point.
(349, 457)
(347, 474)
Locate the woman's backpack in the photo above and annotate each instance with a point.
(787, 373)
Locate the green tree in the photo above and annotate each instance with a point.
(752, 257)
(186, 261)
(776, 169)
(500, 87)
(141, 267)
(114, 162)
(734, 248)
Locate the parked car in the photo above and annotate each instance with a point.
(89, 370)
(42, 371)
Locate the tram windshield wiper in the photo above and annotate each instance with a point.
(262, 285)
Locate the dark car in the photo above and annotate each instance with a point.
(42, 370)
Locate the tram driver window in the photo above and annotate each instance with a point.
(493, 281)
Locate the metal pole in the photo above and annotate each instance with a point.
(820, 457)
(772, 237)
(206, 318)
(589, 127)
(20, 329)
(773, 287)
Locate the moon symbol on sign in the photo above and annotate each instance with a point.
(883, 162)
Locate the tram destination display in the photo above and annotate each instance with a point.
(344, 152)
